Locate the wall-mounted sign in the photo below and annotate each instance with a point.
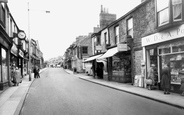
(123, 47)
(98, 47)
(170, 34)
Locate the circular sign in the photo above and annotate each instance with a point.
(21, 35)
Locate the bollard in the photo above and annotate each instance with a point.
(29, 75)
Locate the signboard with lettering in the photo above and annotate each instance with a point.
(98, 47)
(174, 33)
(122, 47)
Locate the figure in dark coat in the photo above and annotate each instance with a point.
(166, 80)
(34, 71)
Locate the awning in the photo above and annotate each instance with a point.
(109, 53)
(92, 58)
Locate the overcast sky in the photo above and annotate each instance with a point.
(67, 19)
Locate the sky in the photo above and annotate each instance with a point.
(67, 19)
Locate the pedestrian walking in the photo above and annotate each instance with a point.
(166, 79)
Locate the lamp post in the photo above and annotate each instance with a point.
(29, 40)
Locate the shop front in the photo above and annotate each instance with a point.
(121, 67)
(166, 49)
(4, 63)
(93, 65)
(118, 64)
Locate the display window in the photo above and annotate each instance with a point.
(4, 65)
(121, 65)
(175, 60)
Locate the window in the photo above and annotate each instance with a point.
(84, 50)
(105, 37)
(116, 34)
(163, 11)
(2, 15)
(130, 27)
(4, 64)
(177, 10)
(98, 41)
(168, 11)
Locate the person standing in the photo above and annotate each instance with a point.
(143, 71)
(182, 86)
(37, 72)
(151, 75)
(166, 79)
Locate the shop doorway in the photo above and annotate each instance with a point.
(99, 70)
(152, 62)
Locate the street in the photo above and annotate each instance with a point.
(60, 93)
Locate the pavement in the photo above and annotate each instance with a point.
(12, 98)
(172, 99)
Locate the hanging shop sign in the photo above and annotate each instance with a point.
(14, 50)
(21, 54)
(170, 34)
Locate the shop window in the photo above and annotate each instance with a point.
(176, 62)
(165, 49)
(169, 12)
(2, 15)
(121, 66)
(175, 58)
(4, 65)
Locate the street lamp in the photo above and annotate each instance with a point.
(29, 39)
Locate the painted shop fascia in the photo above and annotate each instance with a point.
(171, 34)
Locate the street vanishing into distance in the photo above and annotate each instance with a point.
(60, 93)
